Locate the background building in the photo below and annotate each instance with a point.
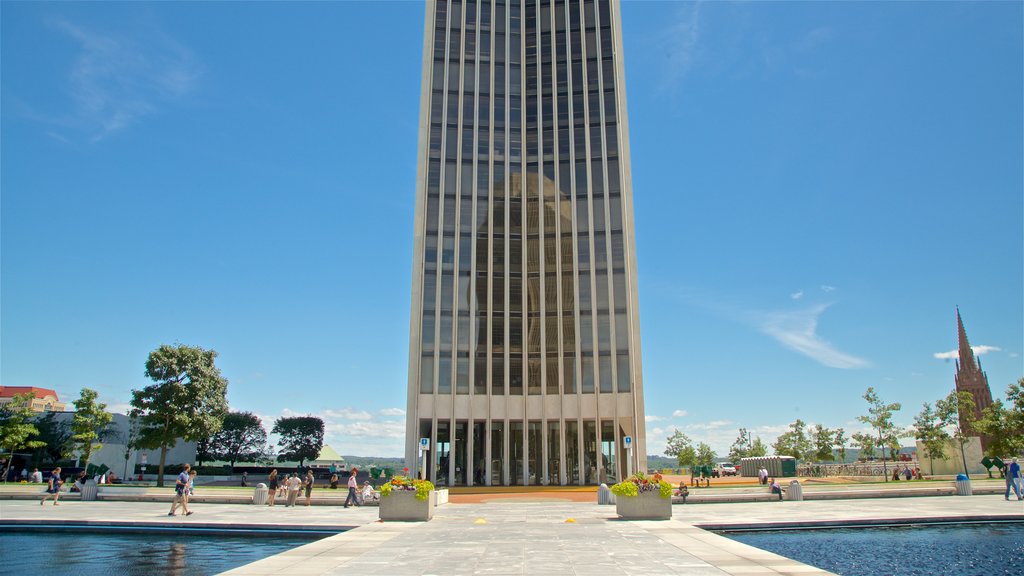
(524, 363)
(44, 399)
(971, 378)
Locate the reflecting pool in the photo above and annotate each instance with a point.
(931, 550)
(146, 554)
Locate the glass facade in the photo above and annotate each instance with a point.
(524, 277)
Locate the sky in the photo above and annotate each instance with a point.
(817, 187)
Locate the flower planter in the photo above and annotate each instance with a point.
(403, 505)
(645, 506)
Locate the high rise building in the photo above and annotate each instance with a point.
(524, 355)
(971, 378)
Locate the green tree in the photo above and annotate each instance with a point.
(302, 438)
(680, 446)
(794, 442)
(55, 434)
(740, 449)
(705, 455)
(929, 431)
(840, 441)
(866, 443)
(188, 400)
(1003, 423)
(757, 449)
(242, 438)
(17, 428)
(956, 412)
(89, 423)
(879, 417)
(824, 443)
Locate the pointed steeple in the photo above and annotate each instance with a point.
(967, 362)
(969, 376)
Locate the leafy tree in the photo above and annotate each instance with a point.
(840, 441)
(55, 435)
(1003, 423)
(188, 401)
(680, 446)
(866, 443)
(929, 431)
(16, 427)
(794, 442)
(242, 438)
(741, 447)
(956, 412)
(90, 421)
(302, 438)
(824, 443)
(757, 449)
(130, 440)
(880, 419)
(705, 455)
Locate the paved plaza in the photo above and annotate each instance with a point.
(523, 536)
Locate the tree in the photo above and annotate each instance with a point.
(880, 419)
(680, 446)
(705, 455)
(16, 427)
(794, 442)
(740, 449)
(302, 438)
(90, 421)
(866, 443)
(55, 435)
(242, 438)
(188, 401)
(1003, 423)
(824, 443)
(929, 431)
(840, 441)
(757, 449)
(956, 412)
(131, 439)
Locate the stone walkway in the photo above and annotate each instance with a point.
(517, 537)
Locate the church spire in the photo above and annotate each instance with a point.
(966, 354)
(970, 377)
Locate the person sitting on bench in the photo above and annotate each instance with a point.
(775, 488)
(683, 490)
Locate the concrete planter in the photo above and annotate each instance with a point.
(403, 505)
(645, 506)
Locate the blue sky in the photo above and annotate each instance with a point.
(816, 187)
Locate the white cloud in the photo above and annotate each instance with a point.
(652, 418)
(392, 412)
(681, 44)
(680, 414)
(978, 351)
(797, 295)
(117, 79)
(1013, 354)
(797, 331)
(347, 414)
(827, 288)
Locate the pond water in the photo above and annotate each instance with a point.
(932, 550)
(146, 554)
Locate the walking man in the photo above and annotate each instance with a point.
(181, 491)
(352, 485)
(294, 484)
(53, 487)
(1013, 479)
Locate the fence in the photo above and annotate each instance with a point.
(874, 468)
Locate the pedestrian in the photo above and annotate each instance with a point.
(352, 485)
(683, 490)
(245, 479)
(907, 474)
(1013, 479)
(24, 475)
(762, 475)
(181, 491)
(53, 487)
(775, 488)
(294, 484)
(191, 483)
(36, 476)
(308, 485)
(334, 481)
(272, 480)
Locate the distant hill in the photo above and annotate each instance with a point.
(395, 464)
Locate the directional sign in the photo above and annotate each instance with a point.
(627, 441)
(424, 443)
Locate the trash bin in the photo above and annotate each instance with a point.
(795, 492)
(963, 485)
(90, 490)
(604, 495)
(261, 494)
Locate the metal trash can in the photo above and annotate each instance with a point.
(963, 485)
(89, 490)
(604, 495)
(795, 492)
(261, 494)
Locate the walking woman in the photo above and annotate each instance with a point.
(272, 480)
(53, 487)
